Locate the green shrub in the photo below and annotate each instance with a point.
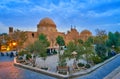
(45, 68)
(28, 56)
(21, 53)
(87, 66)
(54, 52)
(62, 62)
(81, 64)
(105, 58)
(96, 59)
(117, 49)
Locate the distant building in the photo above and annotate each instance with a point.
(48, 27)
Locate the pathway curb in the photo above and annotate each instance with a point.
(53, 74)
(77, 74)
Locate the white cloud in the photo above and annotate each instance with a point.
(16, 1)
(103, 14)
(40, 9)
(109, 25)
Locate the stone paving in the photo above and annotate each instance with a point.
(9, 71)
(103, 71)
(114, 74)
(117, 76)
(51, 62)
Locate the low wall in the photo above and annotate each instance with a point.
(77, 74)
(46, 72)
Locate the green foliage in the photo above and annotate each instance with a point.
(117, 49)
(62, 61)
(80, 41)
(88, 50)
(113, 40)
(20, 37)
(21, 53)
(54, 52)
(87, 66)
(80, 51)
(101, 37)
(70, 48)
(60, 41)
(39, 47)
(101, 50)
(96, 59)
(28, 56)
(43, 40)
(81, 64)
(30, 48)
(81, 48)
(45, 68)
(90, 40)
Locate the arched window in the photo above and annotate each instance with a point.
(33, 35)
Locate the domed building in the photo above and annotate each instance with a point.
(45, 25)
(71, 35)
(85, 34)
(48, 27)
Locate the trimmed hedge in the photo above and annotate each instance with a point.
(81, 64)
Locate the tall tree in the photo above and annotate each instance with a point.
(88, 49)
(101, 50)
(71, 46)
(43, 39)
(40, 46)
(101, 36)
(20, 37)
(60, 41)
(113, 41)
(80, 41)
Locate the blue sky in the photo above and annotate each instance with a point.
(84, 14)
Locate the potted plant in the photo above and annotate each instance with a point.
(62, 67)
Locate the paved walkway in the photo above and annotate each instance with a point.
(9, 71)
(51, 62)
(103, 71)
(114, 74)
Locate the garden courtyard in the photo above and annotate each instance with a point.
(76, 56)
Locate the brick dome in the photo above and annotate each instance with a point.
(46, 22)
(86, 32)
